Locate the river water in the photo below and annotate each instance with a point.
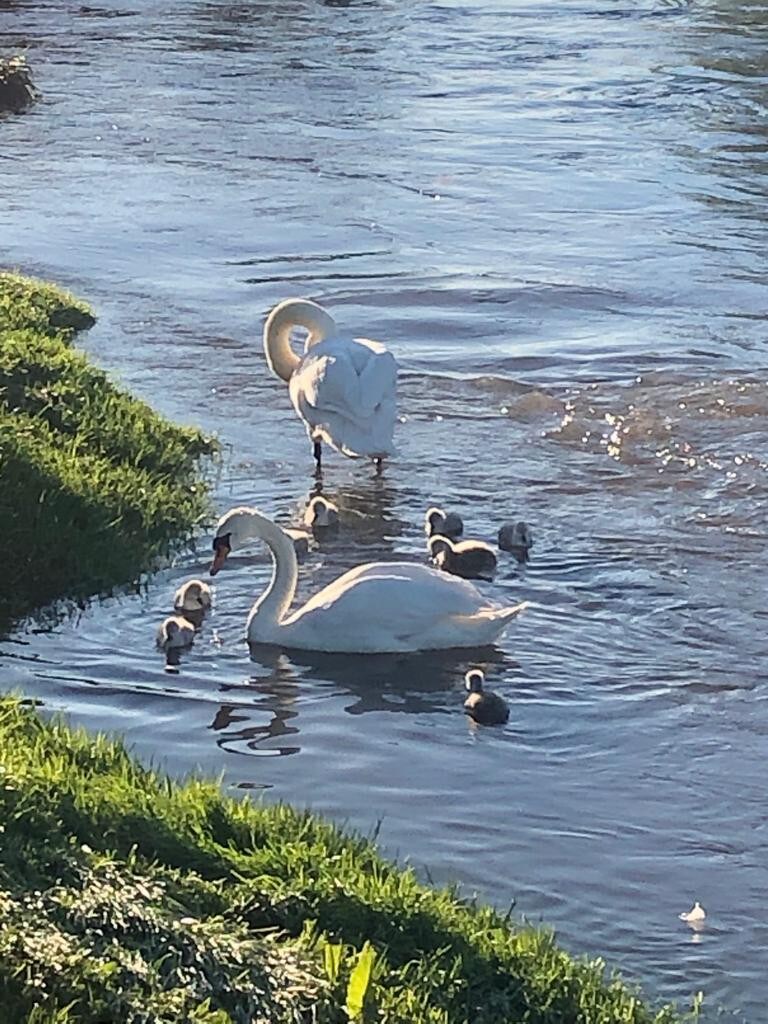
(555, 215)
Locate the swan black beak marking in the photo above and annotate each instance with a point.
(221, 548)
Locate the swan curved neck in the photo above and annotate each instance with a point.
(282, 360)
(271, 607)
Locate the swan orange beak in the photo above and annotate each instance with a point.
(219, 558)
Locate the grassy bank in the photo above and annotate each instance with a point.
(95, 487)
(127, 897)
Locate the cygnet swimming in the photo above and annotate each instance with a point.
(484, 706)
(175, 632)
(447, 524)
(192, 596)
(517, 538)
(301, 541)
(321, 515)
(470, 559)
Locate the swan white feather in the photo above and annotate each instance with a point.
(380, 607)
(695, 915)
(344, 389)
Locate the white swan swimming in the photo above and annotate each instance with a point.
(380, 607)
(344, 389)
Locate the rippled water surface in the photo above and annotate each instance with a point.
(556, 217)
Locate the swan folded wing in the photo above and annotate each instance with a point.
(355, 438)
(399, 597)
(326, 393)
(349, 378)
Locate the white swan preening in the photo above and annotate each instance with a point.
(380, 607)
(344, 389)
(192, 596)
(470, 559)
(517, 538)
(175, 632)
(447, 524)
(483, 705)
(321, 515)
(695, 915)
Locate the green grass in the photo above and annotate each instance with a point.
(95, 487)
(127, 897)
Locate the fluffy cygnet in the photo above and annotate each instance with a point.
(301, 540)
(484, 706)
(470, 559)
(695, 915)
(321, 515)
(517, 538)
(176, 632)
(446, 524)
(192, 596)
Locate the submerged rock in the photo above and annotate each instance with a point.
(16, 89)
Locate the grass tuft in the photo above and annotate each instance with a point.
(95, 487)
(126, 896)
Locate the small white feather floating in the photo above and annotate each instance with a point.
(695, 915)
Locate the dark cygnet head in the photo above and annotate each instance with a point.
(433, 519)
(474, 680)
(440, 550)
(448, 524)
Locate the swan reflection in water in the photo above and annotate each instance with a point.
(278, 690)
(429, 683)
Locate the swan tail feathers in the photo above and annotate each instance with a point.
(511, 612)
(489, 623)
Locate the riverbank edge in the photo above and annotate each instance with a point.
(123, 892)
(95, 486)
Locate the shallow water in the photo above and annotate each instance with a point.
(558, 223)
